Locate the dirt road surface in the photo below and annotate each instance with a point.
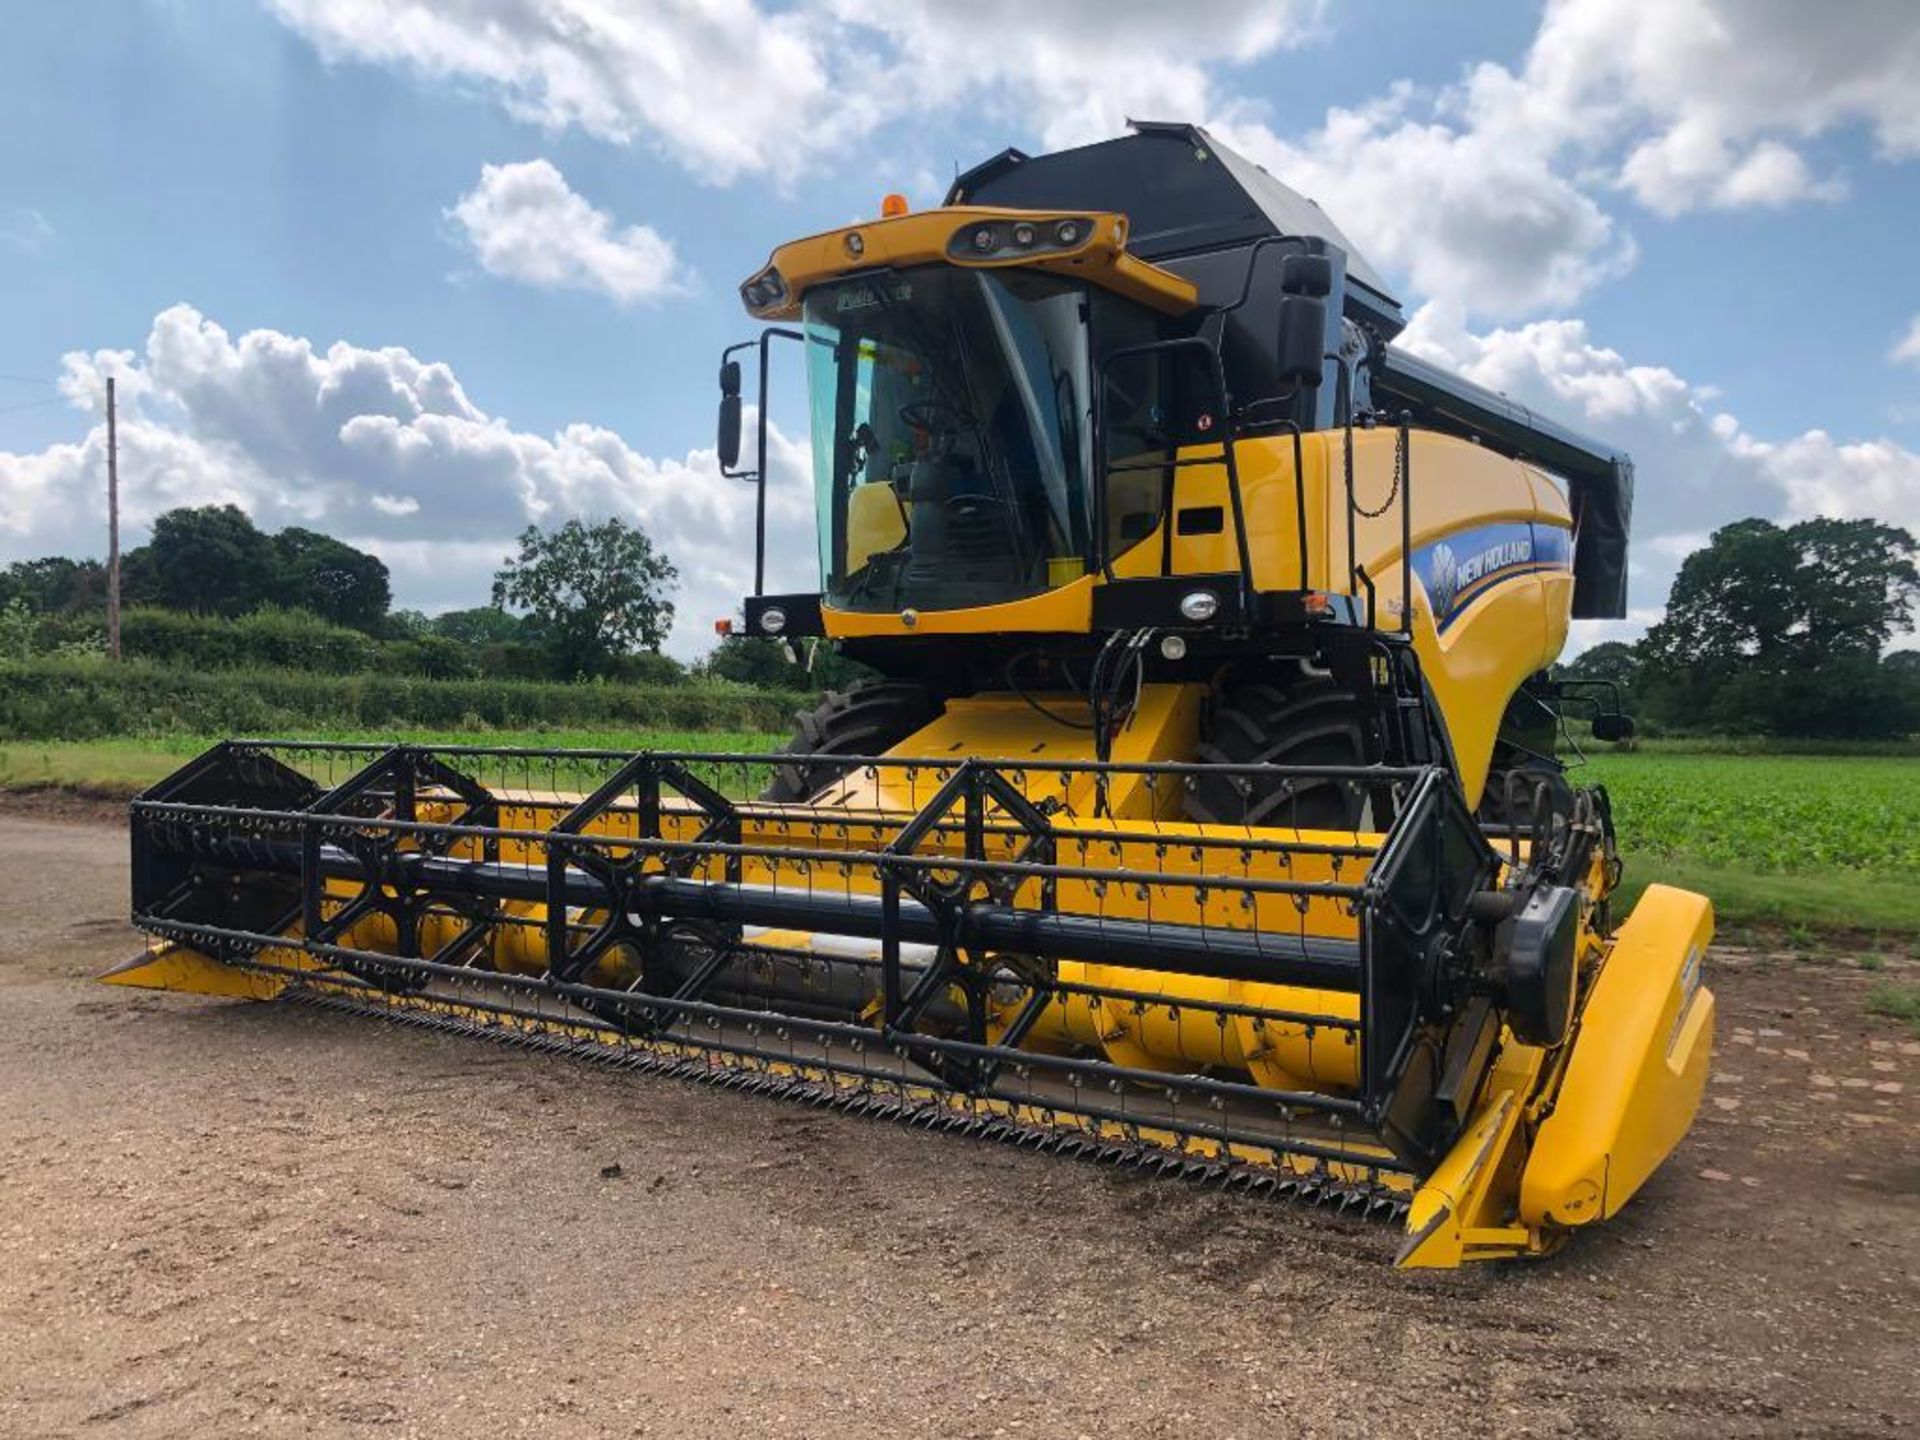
(229, 1219)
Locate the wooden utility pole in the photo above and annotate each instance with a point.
(113, 529)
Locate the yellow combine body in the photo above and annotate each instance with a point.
(1202, 812)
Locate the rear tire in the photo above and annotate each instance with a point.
(867, 719)
(1315, 722)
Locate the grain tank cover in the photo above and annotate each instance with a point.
(1184, 194)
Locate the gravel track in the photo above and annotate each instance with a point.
(228, 1219)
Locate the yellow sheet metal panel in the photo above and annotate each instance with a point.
(1476, 645)
(1450, 1207)
(1165, 725)
(875, 522)
(1637, 1069)
(167, 966)
(1267, 491)
(1065, 611)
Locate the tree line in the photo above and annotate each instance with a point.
(1780, 630)
(582, 601)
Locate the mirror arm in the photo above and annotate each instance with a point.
(758, 474)
(760, 458)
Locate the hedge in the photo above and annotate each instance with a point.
(278, 639)
(52, 699)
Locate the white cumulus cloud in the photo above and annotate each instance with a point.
(1491, 192)
(524, 222)
(1908, 347)
(385, 450)
(1727, 88)
(1457, 212)
(734, 87)
(723, 86)
(1696, 466)
(1072, 71)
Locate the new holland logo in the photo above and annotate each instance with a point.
(1494, 558)
(1449, 578)
(1443, 579)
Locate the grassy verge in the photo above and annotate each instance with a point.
(115, 769)
(1897, 1001)
(1836, 901)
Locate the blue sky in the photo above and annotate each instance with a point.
(1687, 228)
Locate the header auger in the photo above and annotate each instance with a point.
(1206, 816)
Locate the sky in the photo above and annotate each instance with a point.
(424, 272)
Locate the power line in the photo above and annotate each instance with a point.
(30, 379)
(31, 404)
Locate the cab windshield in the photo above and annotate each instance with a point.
(952, 435)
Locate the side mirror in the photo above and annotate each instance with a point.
(1303, 337)
(1612, 725)
(1309, 275)
(729, 437)
(1305, 283)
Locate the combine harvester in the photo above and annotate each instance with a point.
(1206, 817)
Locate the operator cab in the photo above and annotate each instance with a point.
(954, 432)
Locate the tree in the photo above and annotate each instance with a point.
(1781, 629)
(1614, 661)
(590, 593)
(755, 660)
(207, 560)
(1859, 585)
(54, 585)
(405, 625)
(332, 579)
(481, 626)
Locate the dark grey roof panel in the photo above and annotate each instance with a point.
(1291, 212)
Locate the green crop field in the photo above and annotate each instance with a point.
(1827, 841)
(1804, 813)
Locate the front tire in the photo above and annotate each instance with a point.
(1315, 722)
(867, 719)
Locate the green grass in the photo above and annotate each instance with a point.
(104, 767)
(1842, 900)
(1897, 1001)
(115, 768)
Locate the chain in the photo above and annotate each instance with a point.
(1386, 504)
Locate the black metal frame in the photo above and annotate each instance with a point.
(972, 877)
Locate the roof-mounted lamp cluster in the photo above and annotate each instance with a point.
(1001, 239)
(764, 290)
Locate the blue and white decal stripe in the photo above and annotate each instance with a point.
(1463, 566)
